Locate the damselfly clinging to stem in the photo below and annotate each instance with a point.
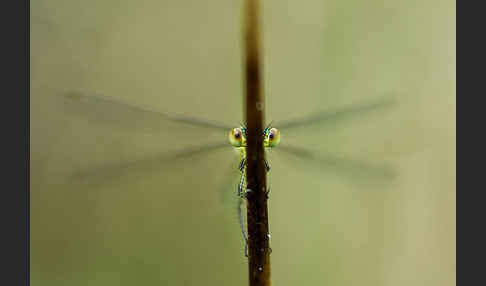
(236, 136)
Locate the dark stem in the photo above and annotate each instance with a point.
(257, 212)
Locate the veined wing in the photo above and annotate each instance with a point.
(110, 171)
(108, 107)
(347, 112)
(352, 167)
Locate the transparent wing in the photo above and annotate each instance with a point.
(108, 108)
(347, 112)
(111, 171)
(230, 178)
(354, 168)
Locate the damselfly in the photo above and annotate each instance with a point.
(237, 138)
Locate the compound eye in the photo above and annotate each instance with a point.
(235, 137)
(273, 137)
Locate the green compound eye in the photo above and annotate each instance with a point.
(236, 137)
(273, 138)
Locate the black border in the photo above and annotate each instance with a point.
(470, 77)
(15, 118)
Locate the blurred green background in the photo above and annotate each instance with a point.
(168, 224)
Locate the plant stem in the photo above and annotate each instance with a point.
(257, 212)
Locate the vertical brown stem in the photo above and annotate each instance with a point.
(257, 213)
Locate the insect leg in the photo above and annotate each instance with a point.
(268, 193)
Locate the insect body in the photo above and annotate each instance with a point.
(237, 138)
